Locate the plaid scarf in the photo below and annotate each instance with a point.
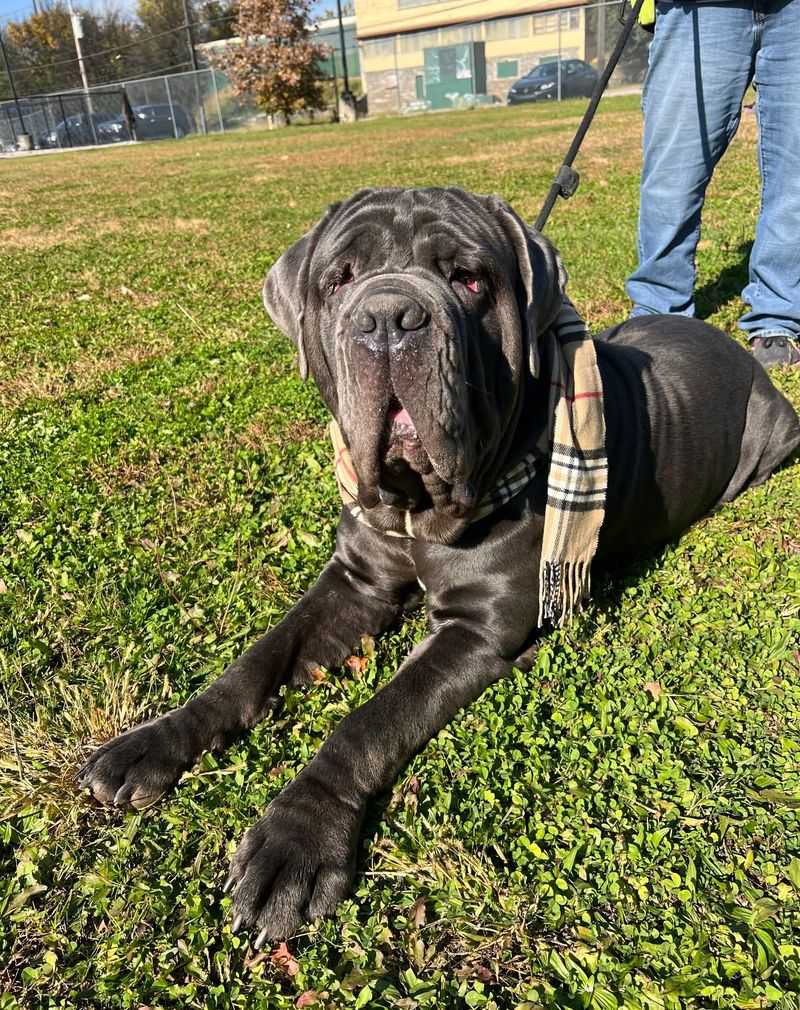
(576, 478)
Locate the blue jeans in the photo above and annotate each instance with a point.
(702, 59)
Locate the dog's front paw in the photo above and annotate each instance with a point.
(138, 766)
(296, 863)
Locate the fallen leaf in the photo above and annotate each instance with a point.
(357, 664)
(252, 962)
(307, 998)
(654, 688)
(282, 958)
(417, 914)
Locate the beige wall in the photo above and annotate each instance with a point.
(510, 37)
(390, 63)
(383, 17)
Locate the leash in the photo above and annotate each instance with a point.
(567, 179)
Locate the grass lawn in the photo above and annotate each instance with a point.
(618, 828)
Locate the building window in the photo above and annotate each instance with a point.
(508, 68)
(377, 49)
(544, 23)
(508, 28)
(415, 42)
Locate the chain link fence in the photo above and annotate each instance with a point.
(70, 119)
(152, 108)
(539, 56)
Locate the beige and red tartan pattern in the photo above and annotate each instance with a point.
(577, 470)
(577, 477)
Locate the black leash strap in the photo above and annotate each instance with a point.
(567, 179)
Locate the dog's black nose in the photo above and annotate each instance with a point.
(390, 316)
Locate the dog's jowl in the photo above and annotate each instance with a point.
(488, 451)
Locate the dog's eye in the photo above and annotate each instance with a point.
(345, 277)
(468, 280)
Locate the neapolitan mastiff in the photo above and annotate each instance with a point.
(420, 315)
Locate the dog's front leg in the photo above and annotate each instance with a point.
(298, 861)
(353, 596)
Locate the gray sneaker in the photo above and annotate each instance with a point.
(775, 348)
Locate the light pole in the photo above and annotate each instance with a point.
(347, 97)
(11, 82)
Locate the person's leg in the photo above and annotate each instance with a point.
(701, 62)
(773, 291)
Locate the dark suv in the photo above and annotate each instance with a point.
(541, 84)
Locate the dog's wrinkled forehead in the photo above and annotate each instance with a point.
(397, 229)
(422, 232)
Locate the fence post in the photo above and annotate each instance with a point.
(216, 95)
(200, 103)
(396, 73)
(171, 108)
(90, 115)
(128, 116)
(64, 121)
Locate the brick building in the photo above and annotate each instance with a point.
(435, 51)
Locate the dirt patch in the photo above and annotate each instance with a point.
(50, 384)
(192, 225)
(39, 239)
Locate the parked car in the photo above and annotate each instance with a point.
(541, 84)
(153, 122)
(75, 131)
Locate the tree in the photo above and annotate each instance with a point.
(275, 60)
(41, 49)
(217, 17)
(164, 44)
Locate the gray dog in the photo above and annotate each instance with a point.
(419, 314)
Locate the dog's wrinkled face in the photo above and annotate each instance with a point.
(417, 313)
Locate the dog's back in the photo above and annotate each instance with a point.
(692, 420)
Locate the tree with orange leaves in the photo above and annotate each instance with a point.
(274, 59)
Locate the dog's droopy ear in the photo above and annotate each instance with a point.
(542, 275)
(285, 290)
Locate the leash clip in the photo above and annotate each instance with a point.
(567, 181)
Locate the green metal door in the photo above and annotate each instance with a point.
(452, 71)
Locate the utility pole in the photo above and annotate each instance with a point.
(11, 82)
(193, 58)
(77, 34)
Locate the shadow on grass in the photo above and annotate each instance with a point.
(727, 286)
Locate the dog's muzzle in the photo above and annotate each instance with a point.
(402, 392)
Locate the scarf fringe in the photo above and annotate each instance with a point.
(563, 585)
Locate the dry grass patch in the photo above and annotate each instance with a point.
(81, 375)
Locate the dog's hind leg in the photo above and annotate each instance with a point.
(771, 434)
(353, 596)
